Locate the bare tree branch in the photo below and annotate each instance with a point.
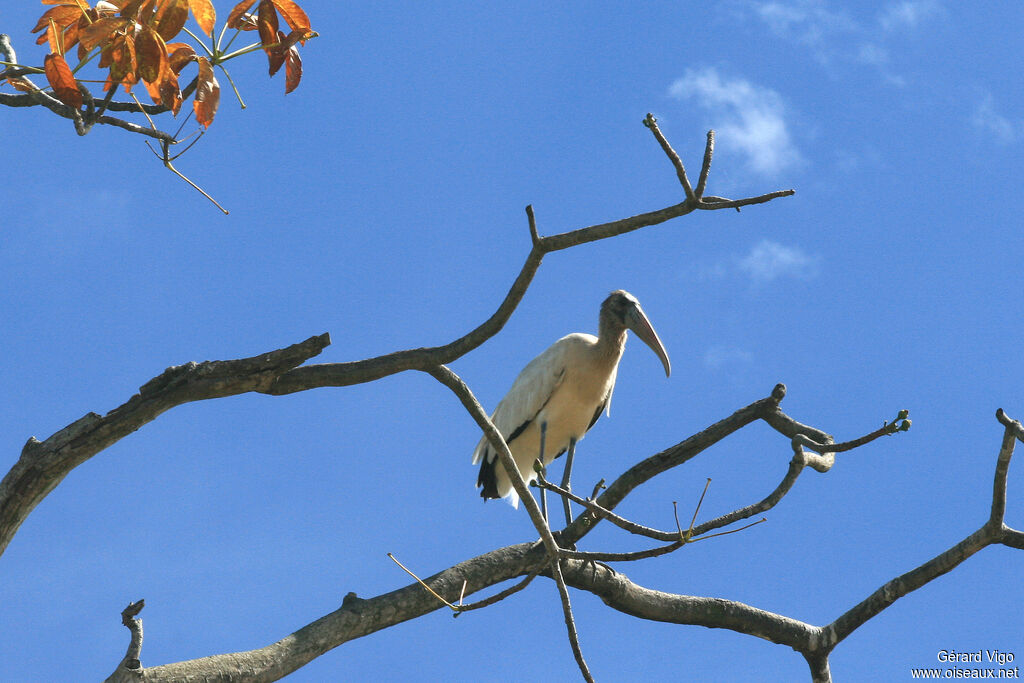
(993, 531)
(618, 592)
(705, 169)
(44, 464)
(445, 376)
(131, 659)
(357, 617)
(651, 123)
(671, 457)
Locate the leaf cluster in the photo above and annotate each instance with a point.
(139, 41)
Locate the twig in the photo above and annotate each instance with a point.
(498, 597)
(429, 589)
(693, 520)
(166, 158)
(652, 124)
(705, 169)
(1012, 433)
(128, 618)
(715, 203)
(570, 623)
(533, 224)
(900, 424)
(139, 104)
(603, 513)
(651, 552)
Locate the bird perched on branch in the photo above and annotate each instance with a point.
(560, 394)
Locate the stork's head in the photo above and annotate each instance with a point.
(622, 310)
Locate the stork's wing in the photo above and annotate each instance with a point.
(529, 393)
(606, 404)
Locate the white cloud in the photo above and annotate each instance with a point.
(992, 123)
(748, 118)
(769, 261)
(765, 262)
(808, 22)
(906, 14)
(718, 356)
(872, 53)
(833, 36)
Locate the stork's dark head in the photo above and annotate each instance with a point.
(621, 311)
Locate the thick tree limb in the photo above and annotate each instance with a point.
(356, 618)
(44, 464)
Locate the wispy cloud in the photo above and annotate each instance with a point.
(768, 261)
(907, 14)
(992, 123)
(833, 36)
(763, 263)
(720, 356)
(748, 118)
(807, 22)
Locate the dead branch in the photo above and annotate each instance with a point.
(44, 464)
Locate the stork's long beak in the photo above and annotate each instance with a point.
(637, 321)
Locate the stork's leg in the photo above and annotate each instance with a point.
(540, 459)
(565, 480)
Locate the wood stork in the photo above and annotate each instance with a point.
(560, 394)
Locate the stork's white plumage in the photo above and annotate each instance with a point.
(562, 392)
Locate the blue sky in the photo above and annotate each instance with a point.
(383, 202)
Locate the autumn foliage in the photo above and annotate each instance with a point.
(141, 41)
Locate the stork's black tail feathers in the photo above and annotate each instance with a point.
(488, 478)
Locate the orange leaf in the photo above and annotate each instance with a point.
(154, 91)
(121, 58)
(58, 73)
(21, 83)
(298, 36)
(62, 16)
(170, 93)
(54, 39)
(207, 94)
(131, 10)
(100, 31)
(165, 90)
(292, 13)
(292, 70)
(234, 18)
(171, 17)
(151, 54)
(180, 57)
(275, 55)
(268, 25)
(70, 36)
(205, 15)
